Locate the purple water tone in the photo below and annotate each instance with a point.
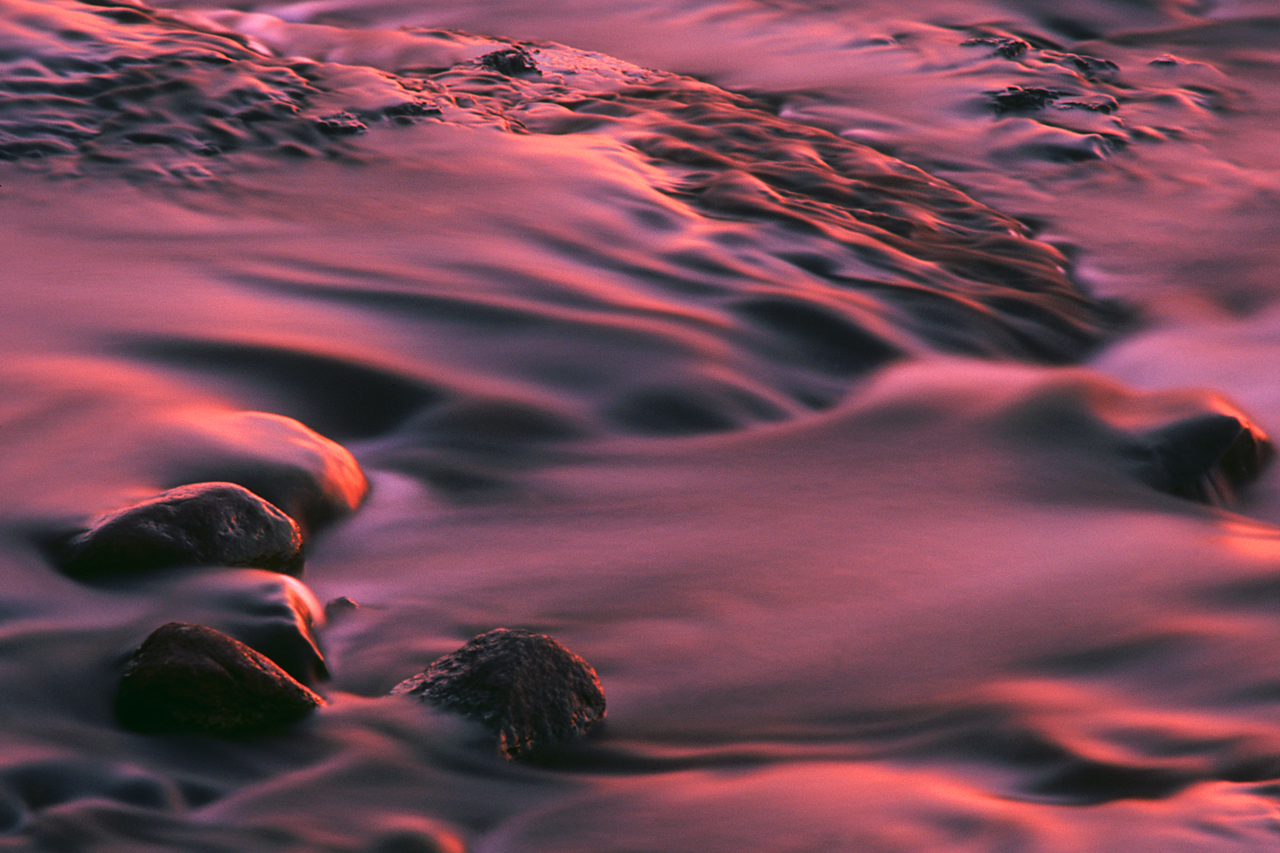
(843, 381)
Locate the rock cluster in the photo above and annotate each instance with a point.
(193, 678)
(511, 61)
(532, 692)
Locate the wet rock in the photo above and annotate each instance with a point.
(340, 124)
(189, 678)
(273, 614)
(1007, 48)
(314, 480)
(278, 619)
(527, 688)
(511, 62)
(1101, 104)
(1206, 458)
(1017, 98)
(339, 607)
(1091, 67)
(198, 525)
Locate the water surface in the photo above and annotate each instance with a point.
(785, 360)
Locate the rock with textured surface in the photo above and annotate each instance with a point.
(205, 524)
(527, 688)
(189, 678)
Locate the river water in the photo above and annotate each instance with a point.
(783, 358)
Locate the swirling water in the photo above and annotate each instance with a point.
(783, 359)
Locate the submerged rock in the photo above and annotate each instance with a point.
(1007, 48)
(313, 479)
(189, 678)
(274, 614)
(279, 620)
(198, 525)
(527, 688)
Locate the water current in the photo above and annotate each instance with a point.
(810, 368)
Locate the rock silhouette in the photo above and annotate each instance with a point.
(1208, 458)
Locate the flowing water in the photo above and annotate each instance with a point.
(785, 359)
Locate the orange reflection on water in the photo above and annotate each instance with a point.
(1251, 539)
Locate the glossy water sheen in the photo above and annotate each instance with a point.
(778, 358)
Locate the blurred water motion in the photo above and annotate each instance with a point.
(876, 398)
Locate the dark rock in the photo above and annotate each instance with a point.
(1017, 98)
(1008, 48)
(1091, 67)
(1206, 458)
(189, 678)
(276, 616)
(527, 688)
(273, 614)
(340, 124)
(340, 607)
(510, 61)
(1102, 104)
(199, 525)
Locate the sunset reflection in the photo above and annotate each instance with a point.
(871, 403)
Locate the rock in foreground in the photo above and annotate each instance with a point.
(527, 688)
(189, 678)
(207, 524)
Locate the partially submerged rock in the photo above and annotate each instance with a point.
(1020, 99)
(279, 620)
(198, 525)
(1207, 458)
(189, 678)
(274, 614)
(527, 688)
(511, 61)
(314, 480)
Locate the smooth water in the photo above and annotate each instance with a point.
(779, 358)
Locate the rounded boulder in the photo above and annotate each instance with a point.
(205, 524)
(526, 688)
